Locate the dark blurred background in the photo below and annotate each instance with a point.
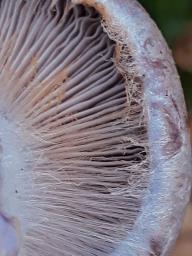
(174, 18)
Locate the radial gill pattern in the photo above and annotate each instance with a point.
(73, 140)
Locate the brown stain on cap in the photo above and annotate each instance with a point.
(156, 248)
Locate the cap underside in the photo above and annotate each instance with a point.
(74, 160)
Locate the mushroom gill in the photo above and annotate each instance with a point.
(75, 162)
(77, 144)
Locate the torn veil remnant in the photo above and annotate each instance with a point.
(95, 153)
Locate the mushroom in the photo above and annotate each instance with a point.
(95, 151)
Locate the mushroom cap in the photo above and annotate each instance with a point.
(95, 150)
